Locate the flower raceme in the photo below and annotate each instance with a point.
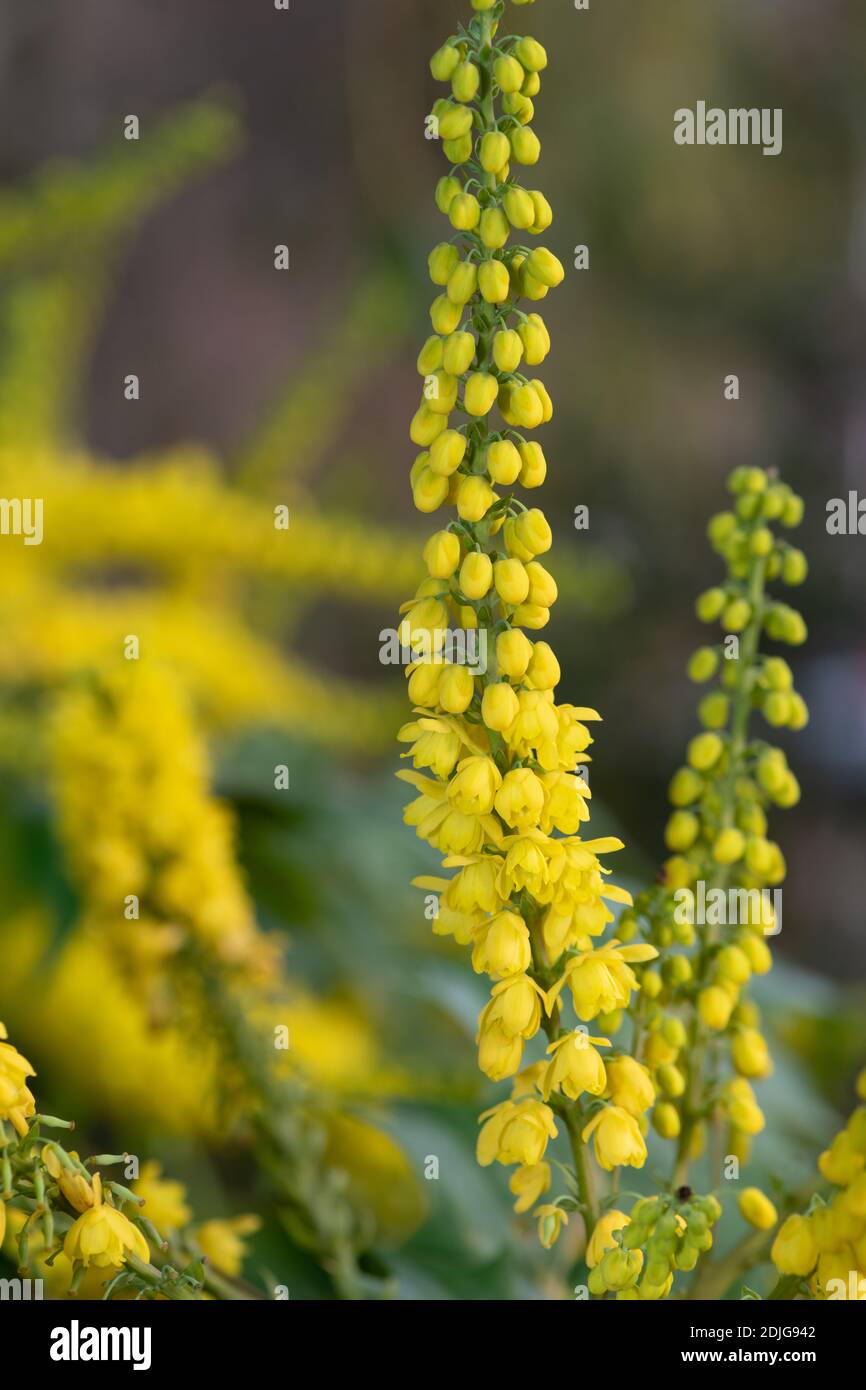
(493, 754)
(695, 1005)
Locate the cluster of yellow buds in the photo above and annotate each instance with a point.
(827, 1245)
(495, 757)
(717, 901)
(635, 1256)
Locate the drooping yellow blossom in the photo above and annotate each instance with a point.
(528, 1183)
(102, 1235)
(16, 1101)
(551, 1220)
(617, 1137)
(516, 1133)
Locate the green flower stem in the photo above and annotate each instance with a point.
(149, 1274)
(569, 1110)
(715, 1278)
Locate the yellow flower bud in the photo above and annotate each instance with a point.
(494, 151)
(543, 671)
(750, 1055)
(476, 575)
(442, 554)
(429, 490)
(447, 190)
(671, 1080)
(464, 212)
(535, 338)
(503, 462)
(729, 846)
(507, 350)
(454, 122)
(423, 685)
(530, 54)
(521, 405)
(531, 615)
(714, 1007)
(519, 208)
(542, 585)
(704, 751)
(493, 281)
(757, 951)
(534, 469)
(794, 1250)
(513, 654)
(666, 1120)
(525, 149)
(445, 316)
(732, 963)
(458, 353)
(546, 403)
(493, 228)
(442, 261)
(681, 831)
(462, 282)
(426, 426)
(544, 266)
(458, 151)
(444, 62)
(508, 74)
(456, 688)
(551, 1220)
(528, 286)
(440, 393)
(475, 497)
(511, 580)
(499, 706)
(480, 393)
(431, 355)
(447, 452)
(532, 532)
(465, 82)
(543, 213)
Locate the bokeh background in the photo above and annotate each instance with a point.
(261, 387)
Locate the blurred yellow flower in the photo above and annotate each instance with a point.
(221, 1241)
(164, 1199)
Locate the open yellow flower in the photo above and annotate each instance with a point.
(16, 1101)
(103, 1236)
(618, 1140)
